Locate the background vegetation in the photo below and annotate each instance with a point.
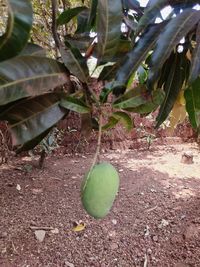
(46, 46)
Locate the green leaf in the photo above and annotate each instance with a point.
(192, 97)
(25, 76)
(164, 72)
(130, 23)
(104, 94)
(124, 118)
(33, 50)
(80, 41)
(33, 143)
(195, 64)
(134, 58)
(124, 46)
(119, 117)
(18, 28)
(150, 14)
(74, 104)
(108, 73)
(75, 63)
(112, 122)
(92, 16)
(172, 88)
(109, 20)
(32, 117)
(133, 98)
(142, 74)
(68, 14)
(132, 4)
(82, 21)
(151, 105)
(176, 29)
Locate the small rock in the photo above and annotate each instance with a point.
(146, 231)
(4, 250)
(121, 170)
(114, 246)
(187, 158)
(18, 187)
(55, 231)
(112, 234)
(40, 235)
(36, 191)
(114, 221)
(68, 264)
(149, 251)
(155, 238)
(183, 217)
(163, 224)
(153, 190)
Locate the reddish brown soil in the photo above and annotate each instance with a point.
(155, 220)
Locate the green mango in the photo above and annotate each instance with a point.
(99, 188)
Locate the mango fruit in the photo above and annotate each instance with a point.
(99, 188)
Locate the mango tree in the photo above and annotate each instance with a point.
(127, 41)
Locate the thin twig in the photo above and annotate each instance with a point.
(97, 154)
(54, 23)
(45, 228)
(88, 93)
(151, 209)
(145, 261)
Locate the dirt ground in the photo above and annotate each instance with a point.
(155, 220)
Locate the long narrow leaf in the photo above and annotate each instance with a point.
(109, 19)
(33, 142)
(93, 13)
(176, 29)
(133, 98)
(152, 103)
(150, 14)
(192, 97)
(124, 118)
(112, 122)
(25, 76)
(82, 21)
(139, 52)
(18, 28)
(172, 88)
(33, 50)
(68, 14)
(119, 117)
(30, 118)
(74, 104)
(75, 63)
(195, 64)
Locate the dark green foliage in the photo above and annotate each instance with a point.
(31, 83)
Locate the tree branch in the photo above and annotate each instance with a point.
(54, 24)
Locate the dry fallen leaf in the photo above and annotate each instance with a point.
(79, 227)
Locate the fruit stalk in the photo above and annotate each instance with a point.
(97, 153)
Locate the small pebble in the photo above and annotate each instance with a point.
(114, 221)
(155, 238)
